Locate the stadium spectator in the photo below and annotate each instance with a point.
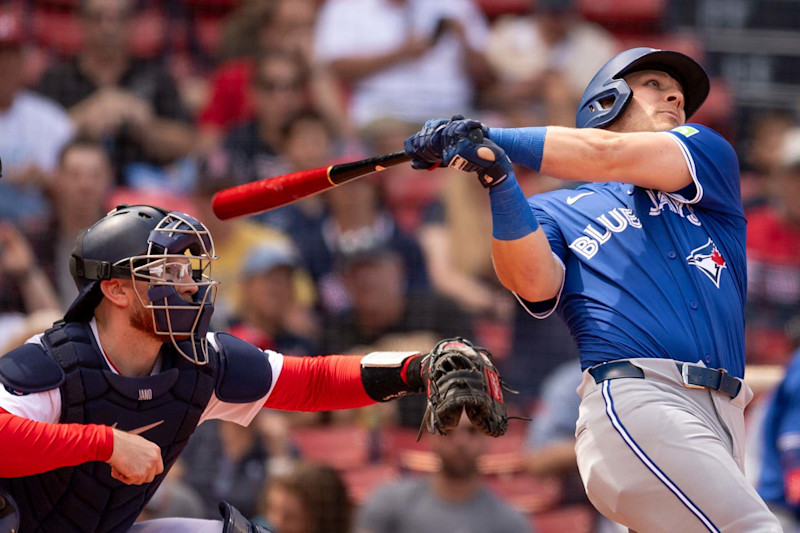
(773, 263)
(78, 197)
(252, 29)
(312, 498)
(459, 271)
(308, 141)
(32, 129)
(356, 217)
(453, 499)
(235, 238)
(779, 475)
(132, 105)
(405, 59)
(174, 498)
(762, 156)
(548, 83)
(277, 93)
(34, 252)
(388, 315)
(382, 305)
(226, 461)
(268, 295)
(25, 287)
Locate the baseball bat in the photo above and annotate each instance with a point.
(269, 193)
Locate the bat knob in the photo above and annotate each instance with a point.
(475, 135)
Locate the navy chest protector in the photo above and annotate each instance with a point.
(164, 408)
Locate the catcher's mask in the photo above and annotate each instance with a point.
(9, 514)
(608, 84)
(168, 251)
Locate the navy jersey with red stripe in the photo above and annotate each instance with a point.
(654, 274)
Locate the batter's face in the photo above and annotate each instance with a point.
(656, 104)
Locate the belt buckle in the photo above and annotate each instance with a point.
(685, 375)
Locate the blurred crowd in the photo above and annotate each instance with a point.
(167, 102)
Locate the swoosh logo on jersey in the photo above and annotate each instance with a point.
(572, 199)
(139, 431)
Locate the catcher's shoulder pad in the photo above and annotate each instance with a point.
(244, 374)
(29, 369)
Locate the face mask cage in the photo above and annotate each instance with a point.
(179, 259)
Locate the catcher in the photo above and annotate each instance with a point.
(95, 411)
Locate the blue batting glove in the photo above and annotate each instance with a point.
(425, 147)
(475, 153)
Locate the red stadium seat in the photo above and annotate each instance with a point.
(165, 199)
(147, 33)
(208, 29)
(685, 43)
(342, 447)
(576, 518)
(494, 8)
(216, 5)
(57, 30)
(58, 3)
(717, 111)
(362, 481)
(624, 16)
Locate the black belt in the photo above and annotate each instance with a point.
(695, 377)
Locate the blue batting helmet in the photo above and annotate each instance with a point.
(608, 84)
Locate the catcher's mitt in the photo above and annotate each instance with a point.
(461, 377)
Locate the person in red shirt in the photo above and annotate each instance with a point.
(95, 411)
(773, 263)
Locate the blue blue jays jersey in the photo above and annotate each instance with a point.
(654, 274)
(781, 438)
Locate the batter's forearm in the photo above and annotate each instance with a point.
(28, 447)
(648, 159)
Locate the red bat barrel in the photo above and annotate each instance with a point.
(278, 191)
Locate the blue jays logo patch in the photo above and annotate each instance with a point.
(709, 260)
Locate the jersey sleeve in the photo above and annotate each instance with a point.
(714, 168)
(321, 383)
(29, 447)
(39, 406)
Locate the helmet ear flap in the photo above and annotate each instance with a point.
(595, 112)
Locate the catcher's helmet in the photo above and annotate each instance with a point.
(158, 247)
(608, 83)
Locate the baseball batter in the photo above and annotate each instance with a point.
(647, 267)
(94, 412)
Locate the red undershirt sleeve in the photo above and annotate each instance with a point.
(28, 447)
(319, 384)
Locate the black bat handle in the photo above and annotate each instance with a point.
(339, 174)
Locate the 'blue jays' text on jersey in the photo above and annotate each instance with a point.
(654, 274)
(781, 439)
